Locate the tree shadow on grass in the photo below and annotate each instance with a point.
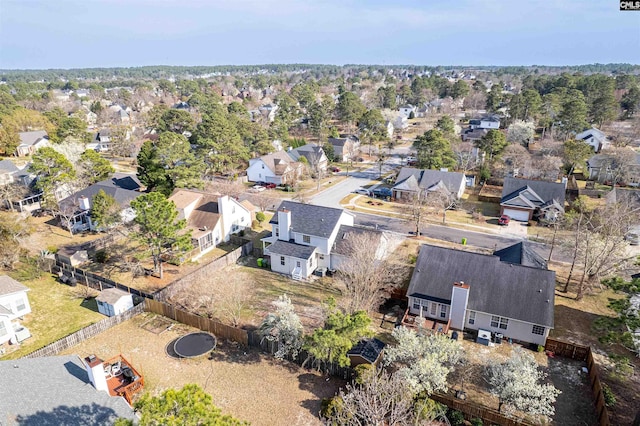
(321, 387)
(84, 415)
(234, 353)
(90, 304)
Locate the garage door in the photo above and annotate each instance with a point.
(520, 215)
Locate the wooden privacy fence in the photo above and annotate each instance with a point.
(584, 353)
(202, 273)
(221, 331)
(95, 281)
(85, 333)
(475, 411)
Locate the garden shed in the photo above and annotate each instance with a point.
(113, 301)
(366, 351)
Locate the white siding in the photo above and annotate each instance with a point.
(258, 171)
(290, 263)
(6, 329)
(517, 330)
(15, 301)
(430, 309)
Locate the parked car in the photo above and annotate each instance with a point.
(383, 192)
(270, 185)
(362, 191)
(335, 170)
(633, 236)
(257, 188)
(504, 220)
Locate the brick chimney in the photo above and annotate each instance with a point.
(459, 301)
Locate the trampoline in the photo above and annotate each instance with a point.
(193, 345)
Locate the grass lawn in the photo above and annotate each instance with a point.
(56, 311)
(47, 234)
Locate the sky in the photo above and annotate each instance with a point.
(38, 34)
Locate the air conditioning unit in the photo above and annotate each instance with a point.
(484, 337)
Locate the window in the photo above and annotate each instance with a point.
(21, 306)
(537, 329)
(321, 256)
(499, 322)
(3, 328)
(443, 311)
(297, 263)
(277, 233)
(282, 260)
(434, 308)
(306, 239)
(416, 303)
(472, 317)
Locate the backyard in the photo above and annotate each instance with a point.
(243, 382)
(56, 311)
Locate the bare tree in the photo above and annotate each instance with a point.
(466, 159)
(365, 276)
(516, 159)
(546, 167)
(265, 202)
(234, 300)
(232, 188)
(13, 233)
(618, 164)
(442, 200)
(418, 211)
(12, 192)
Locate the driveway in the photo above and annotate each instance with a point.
(514, 229)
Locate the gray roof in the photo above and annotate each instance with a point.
(521, 254)
(346, 232)
(429, 178)
(55, 391)
(313, 153)
(497, 288)
(369, 349)
(9, 286)
(111, 295)
(286, 248)
(122, 187)
(309, 219)
(547, 191)
(7, 166)
(30, 138)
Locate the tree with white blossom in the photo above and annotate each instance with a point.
(424, 360)
(283, 327)
(519, 385)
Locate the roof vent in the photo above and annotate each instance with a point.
(547, 300)
(539, 290)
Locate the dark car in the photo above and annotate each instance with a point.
(382, 192)
(504, 220)
(335, 169)
(270, 185)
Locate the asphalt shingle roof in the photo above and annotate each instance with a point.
(111, 295)
(309, 219)
(30, 138)
(369, 349)
(346, 232)
(521, 254)
(7, 166)
(498, 288)
(55, 391)
(121, 187)
(9, 286)
(286, 248)
(427, 178)
(547, 191)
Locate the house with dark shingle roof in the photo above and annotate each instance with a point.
(212, 218)
(411, 182)
(524, 199)
(8, 172)
(314, 154)
(122, 187)
(476, 291)
(278, 168)
(594, 137)
(345, 147)
(302, 238)
(56, 390)
(14, 304)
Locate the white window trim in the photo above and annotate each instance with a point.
(472, 318)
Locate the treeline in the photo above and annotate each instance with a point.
(318, 70)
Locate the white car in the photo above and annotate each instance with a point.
(257, 188)
(362, 191)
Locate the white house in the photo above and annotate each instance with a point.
(488, 123)
(401, 122)
(407, 110)
(278, 168)
(8, 171)
(212, 218)
(113, 301)
(30, 142)
(14, 304)
(346, 147)
(302, 238)
(268, 111)
(510, 292)
(594, 137)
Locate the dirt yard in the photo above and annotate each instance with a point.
(573, 406)
(244, 383)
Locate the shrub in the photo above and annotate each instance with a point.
(260, 217)
(609, 397)
(241, 233)
(255, 224)
(362, 372)
(456, 418)
(52, 249)
(330, 406)
(102, 256)
(413, 259)
(476, 422)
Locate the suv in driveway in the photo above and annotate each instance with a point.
(362, 191)
(383, 192)
(504, 220)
